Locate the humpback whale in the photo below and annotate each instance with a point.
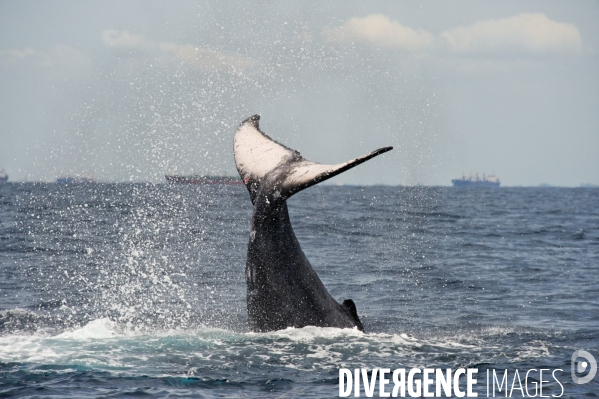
(282, 288)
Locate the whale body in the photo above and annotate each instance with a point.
(282, 288)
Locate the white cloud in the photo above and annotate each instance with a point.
(14, 55)
(60, 56)
(380, 31)
(529, 33)
(123, 40)
(533, 34)
(195, 56)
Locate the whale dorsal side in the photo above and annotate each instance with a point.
(257, 156)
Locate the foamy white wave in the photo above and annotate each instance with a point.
(105, 345)
(533, 350)
(498, 330)
(26, 348)
(16, 311)
(101, 328)
(311, 332)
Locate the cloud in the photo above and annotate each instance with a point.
(528, 33)
(533, 34)
(60, 56)
(14, 55)
(195, 56)
(380, 31)
(123, 40)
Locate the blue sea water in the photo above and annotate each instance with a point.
(134, 290)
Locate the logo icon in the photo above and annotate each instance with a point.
(580, 366)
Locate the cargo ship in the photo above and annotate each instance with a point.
(3, 176)
(197, 179)
(81, 179)
(75, 180)
(486, 181)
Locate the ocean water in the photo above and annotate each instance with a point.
(134, 290)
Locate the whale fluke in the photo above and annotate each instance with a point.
(257, 156)
(282, 288)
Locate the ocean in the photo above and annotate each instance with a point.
(138, 290)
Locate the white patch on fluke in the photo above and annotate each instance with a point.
(257, 155)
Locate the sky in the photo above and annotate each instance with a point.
(131, 91)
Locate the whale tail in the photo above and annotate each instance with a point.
(260, 160)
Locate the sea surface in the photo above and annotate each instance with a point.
(138, 290)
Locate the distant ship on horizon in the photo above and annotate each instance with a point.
(486, 181)
(3, 176)
(198, 179)
(77, 179)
